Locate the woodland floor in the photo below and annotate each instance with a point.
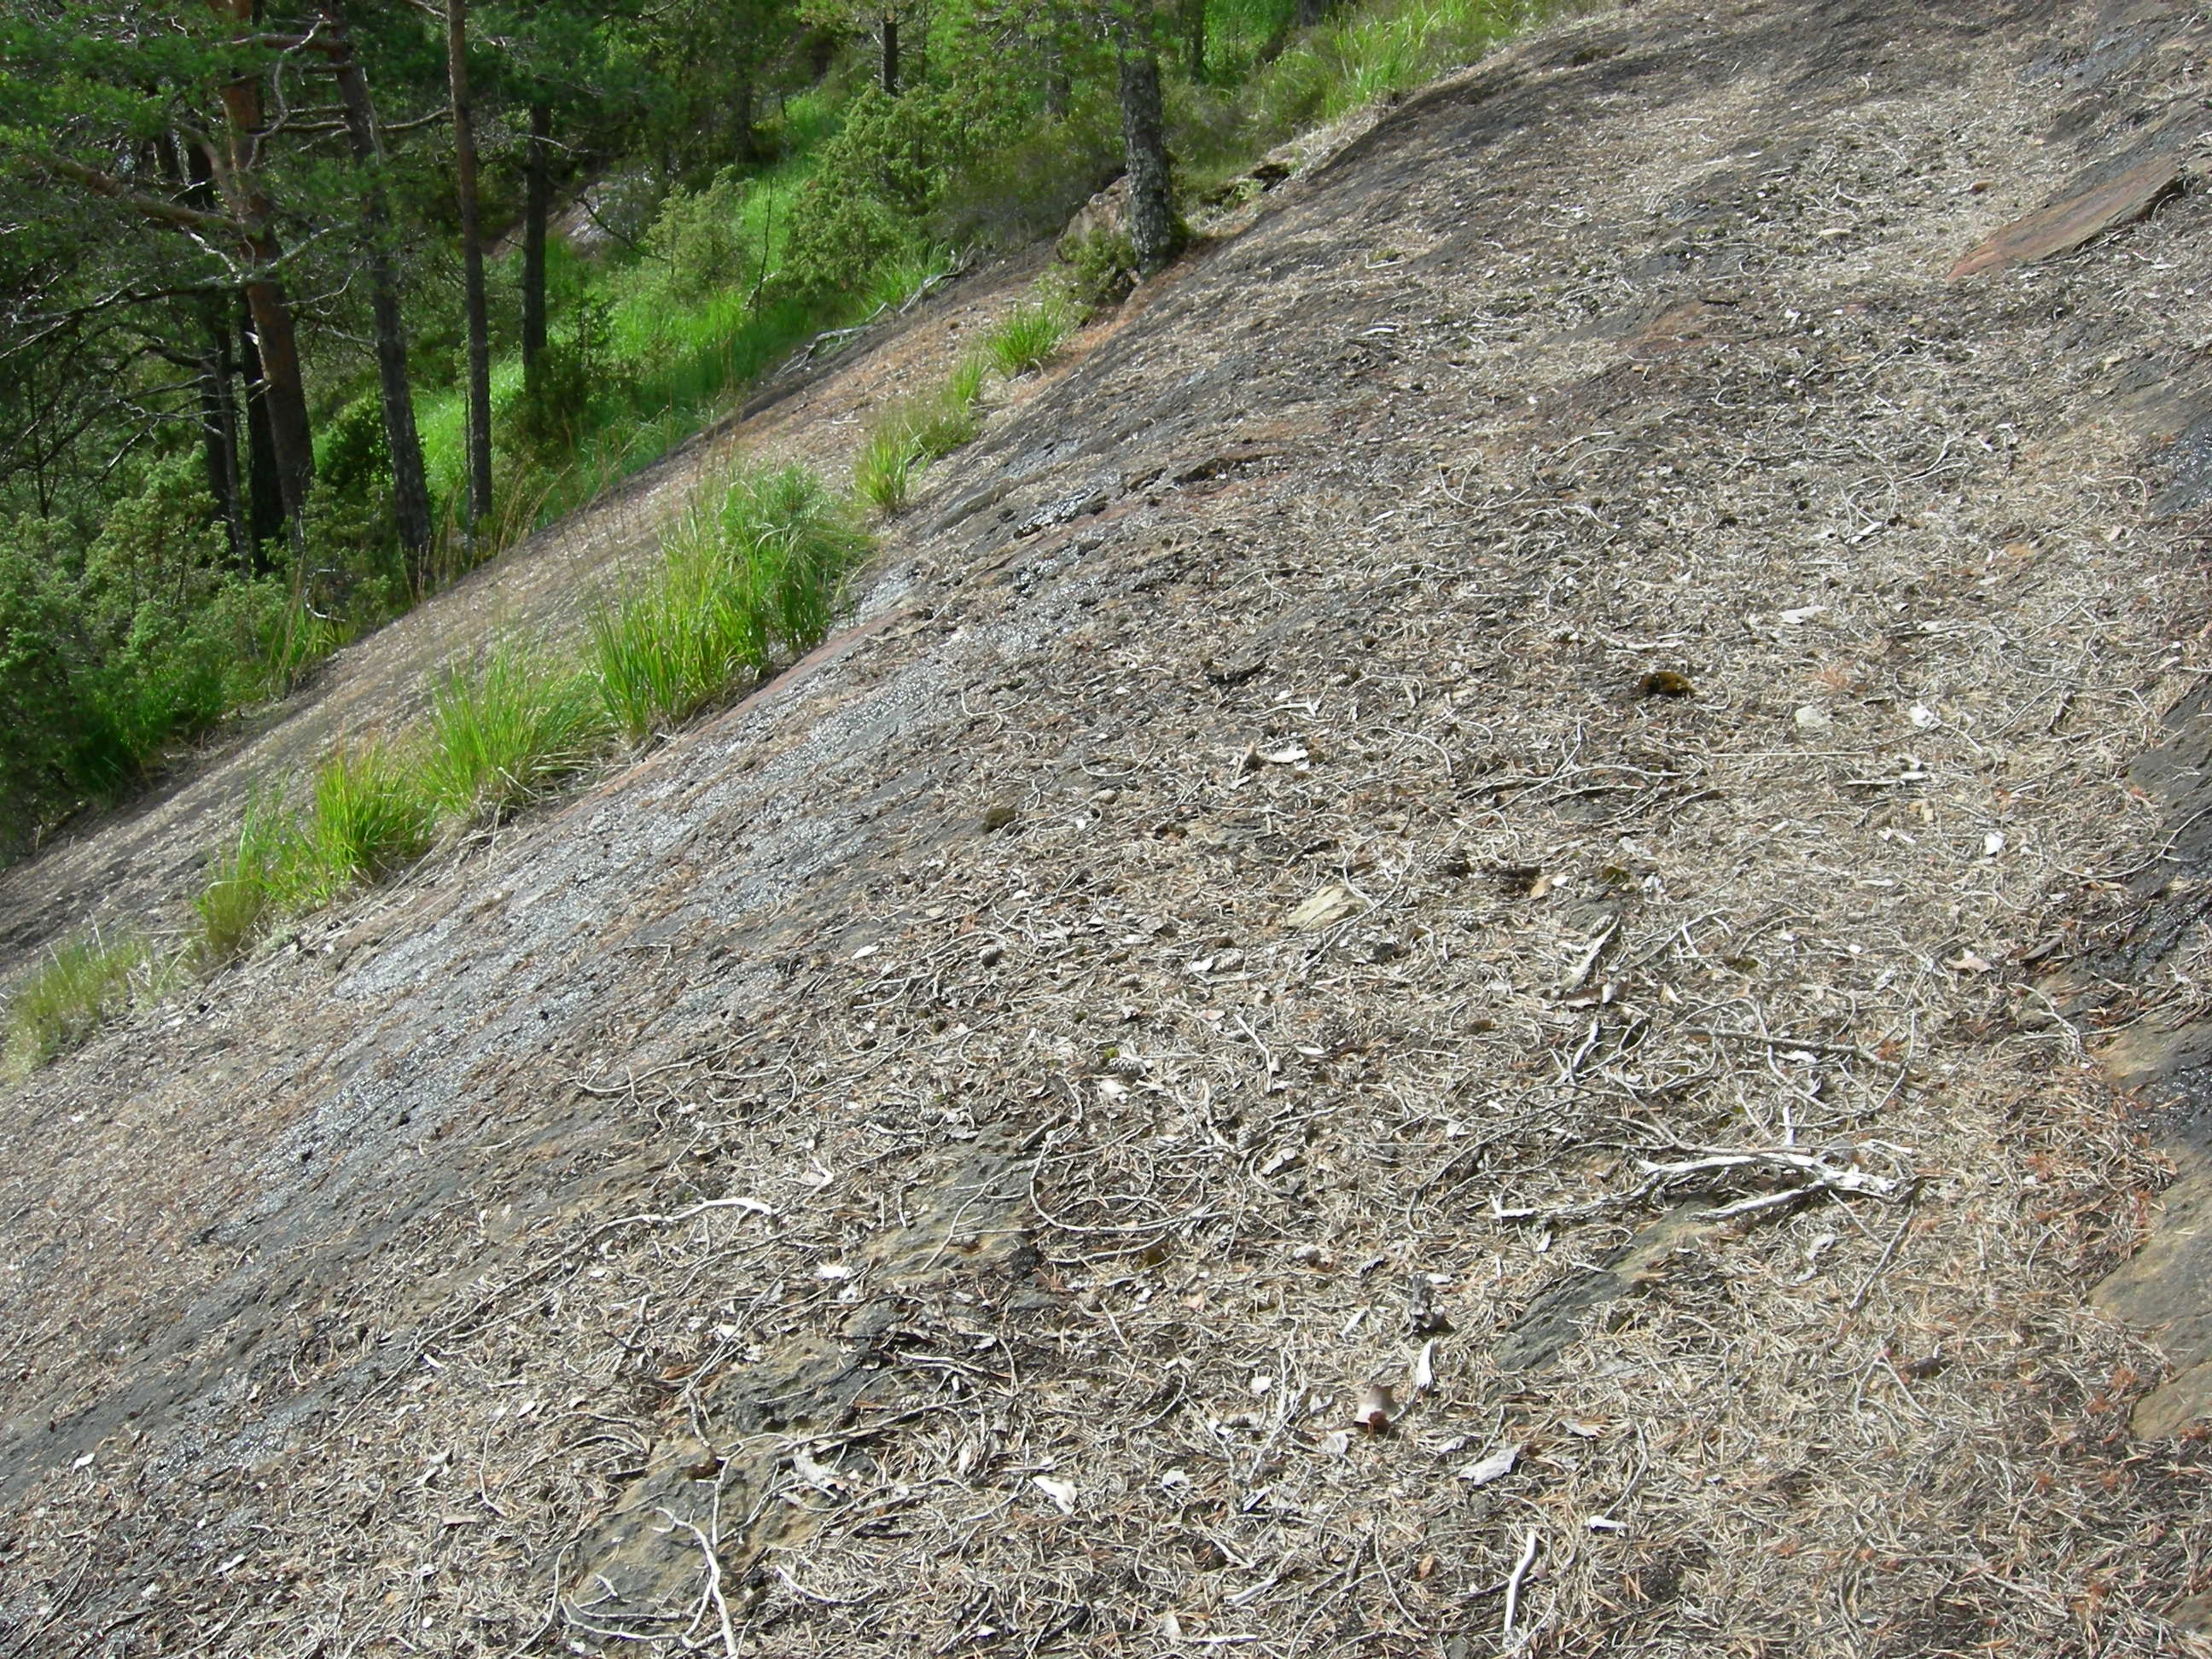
(1170, 1088)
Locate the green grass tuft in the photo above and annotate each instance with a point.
(883, 473)
(1028, 336)
(902, 277)
(505, 734)
(912, 433)
(246, 886)
(369, 815)
(60, 1003)
(751, 575)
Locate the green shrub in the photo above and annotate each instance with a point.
(1027, 336)
(697, 243)
(368, 814)
(839, 233)
(38, 701)
(576, 385)
(249, 885)
(353, 460)
(868, 204)
(1101, 269)
(506, 733)
(1030, 182)
(61, 1003)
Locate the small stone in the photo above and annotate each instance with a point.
(1812, 718)
(998, 816)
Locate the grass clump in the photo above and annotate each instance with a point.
(62, 1002)
(796, 543)
(753, 573)
(368, 814)
(1027, 337)
(247, 885)
(905, 275)
(915, 431)
(506, 733)
(883, 473)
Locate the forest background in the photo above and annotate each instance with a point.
(306, 309)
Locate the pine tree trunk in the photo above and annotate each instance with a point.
(1311, 12)
(891, 54)
(219, 430)
(536, 208)
(1156, 232)
(410, 489)
(264, 503)
(284, 393)
(1194, 34)
(472, 266)
(744, 142)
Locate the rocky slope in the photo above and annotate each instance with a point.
(1428, 978)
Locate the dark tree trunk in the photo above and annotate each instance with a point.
(744, 142)
(410, 489)
(891, 54)
(1194, 36)
(219, 430)
(536, 208)
(264, 500)
(472, 266)
(1156, 232)
(1311, 12)
(284, 393)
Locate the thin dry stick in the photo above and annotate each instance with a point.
(714, 1579)
(1513, 1587)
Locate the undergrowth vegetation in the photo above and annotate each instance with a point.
(136, 628)
(749, 574)
(1030, 335)
(506, 732)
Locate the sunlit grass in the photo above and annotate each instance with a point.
(908, 434)
(246, 884)
(62, 1002)
(368, 814)
(752, 576)
(506, 732)
(1027, 336)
